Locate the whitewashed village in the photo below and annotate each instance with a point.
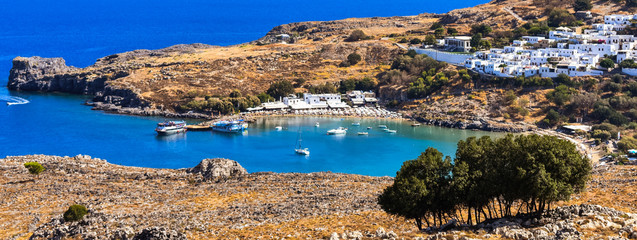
(354, 103)
(572, 50)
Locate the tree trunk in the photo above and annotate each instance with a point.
(419, 223)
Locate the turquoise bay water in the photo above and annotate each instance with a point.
(82, 31)
(58, 124)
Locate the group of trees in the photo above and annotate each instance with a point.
(561, 17)
(222, 105)
(421, 74)
(363, 84)
(612, 101)
(488, 179)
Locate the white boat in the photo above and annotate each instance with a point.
(338, 131)
(278, 128)
(356, 124)
(391, 131)
(415, 124)
(382, 126)
(170, 127)
(298, 149)
(363, 133)
(236, 126)
(369, 128)
(317, 124)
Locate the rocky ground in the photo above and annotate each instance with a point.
(219, 200)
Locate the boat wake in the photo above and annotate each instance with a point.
(11, 100)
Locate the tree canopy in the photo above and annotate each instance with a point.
(487, 179)
(280, 89)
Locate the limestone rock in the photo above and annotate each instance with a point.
(218, 167)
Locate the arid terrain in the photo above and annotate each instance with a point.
(125, 202)
(156, 82)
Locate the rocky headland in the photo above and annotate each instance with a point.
(218, 199)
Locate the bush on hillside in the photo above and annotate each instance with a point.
(561, 17)
(582, 5)
(75, 213)
(34, 168)
(357, 35)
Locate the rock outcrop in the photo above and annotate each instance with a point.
(218, 168)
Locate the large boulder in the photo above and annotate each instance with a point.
(218, 168)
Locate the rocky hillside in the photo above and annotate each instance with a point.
(155, 82)
(218, 199)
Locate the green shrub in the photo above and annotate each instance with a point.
(582, 5)
(606, 63)
(34, 167)
(561, 17)
(357, 35)
(354, 58)
(280, 89)
(75, 213)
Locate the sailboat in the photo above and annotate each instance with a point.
(298, 148)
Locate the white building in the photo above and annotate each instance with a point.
(458, 44)
(296, 103)
(575, 54)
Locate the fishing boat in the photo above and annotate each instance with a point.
(170, 127)
(278, 128)
(363, 133)
(356, 124)
(235, 126)
(337, 131)
(382, 126)
(298, 149)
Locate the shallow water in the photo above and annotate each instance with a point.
(58, 124)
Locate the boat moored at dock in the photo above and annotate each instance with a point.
(235, 126)
(170, 127)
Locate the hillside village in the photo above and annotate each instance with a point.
(570, 50)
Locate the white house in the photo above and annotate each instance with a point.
(459, 43)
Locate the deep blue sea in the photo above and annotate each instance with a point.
(82, 31)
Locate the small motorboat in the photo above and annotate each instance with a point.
(391, 131)
(415, 124)
(317, 124)
(369, 128)
(382, 126)
(278, 128)
(337, 131)
(356, 124)
(363, 133)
